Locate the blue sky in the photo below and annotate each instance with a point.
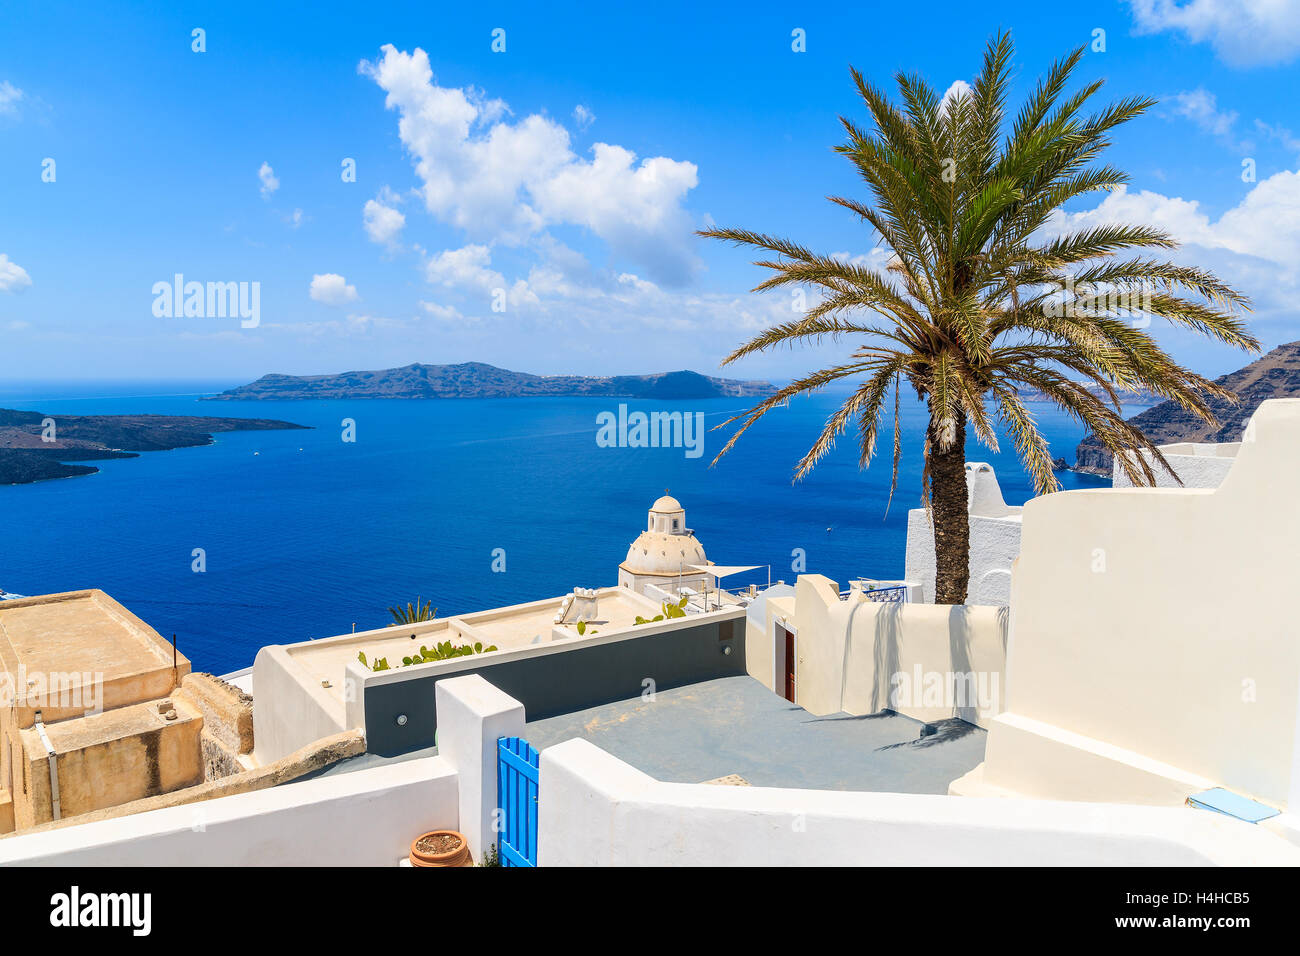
(562, 177)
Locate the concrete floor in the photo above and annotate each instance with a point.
(735, 725)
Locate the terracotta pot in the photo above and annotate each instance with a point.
(456, 857)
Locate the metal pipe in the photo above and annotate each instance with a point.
(53, 759)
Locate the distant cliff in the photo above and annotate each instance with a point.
(478, 380)
(26, 456)
(1275, 375)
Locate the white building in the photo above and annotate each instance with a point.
(995, 525)
(994, 541)
(665, 553)
(1198, 464)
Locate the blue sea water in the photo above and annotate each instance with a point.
(305, 534)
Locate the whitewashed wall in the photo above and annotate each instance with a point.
(288, 712)
(595, 810)
(363, 818)
(853, 655)
(994, 541)
(1153, 646)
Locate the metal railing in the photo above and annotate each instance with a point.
(889, 594)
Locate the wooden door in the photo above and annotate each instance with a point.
(789, 665)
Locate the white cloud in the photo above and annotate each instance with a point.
(563, 295)
(446, 313)
(267, 177)
(1242, 32)
(351, 326)
(366, 323)
(957, 88)
(609, 302)
(635, 211)
(1201, 107)
(10, 95)
(1254, 246)
(383, 223)
(468, 271)
(332, 289)
(465, 268)
(294, 219)
(1265, 224)
(504, 181)
(12, 276)
(583, 117)
(1280, 134)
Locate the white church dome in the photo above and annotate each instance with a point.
(667, 546)
(666, 505)
(654, 552)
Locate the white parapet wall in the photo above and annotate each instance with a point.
(1153, 644)
(1196, 465)
(290, 712)
(363, 818)
(855, 656)
(994, 541)
(596, 810)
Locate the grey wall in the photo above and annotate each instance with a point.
(560, 683)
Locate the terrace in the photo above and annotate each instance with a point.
(318, 688)
(735, 725)
(324, 662)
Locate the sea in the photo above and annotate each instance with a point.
(285, 536)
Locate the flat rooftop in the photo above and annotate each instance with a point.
(735, 725)
(523, 624)
(506, 628)
(76, 629)
(82, 650)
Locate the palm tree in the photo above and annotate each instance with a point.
(985, 292)
(412, 613)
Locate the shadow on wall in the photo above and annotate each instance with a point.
(952, 673)
(886, 650)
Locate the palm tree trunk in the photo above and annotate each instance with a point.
(948, 499)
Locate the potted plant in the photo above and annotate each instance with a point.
(440, 848)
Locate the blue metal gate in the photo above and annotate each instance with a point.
(517, 775)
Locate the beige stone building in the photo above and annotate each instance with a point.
(98, 710)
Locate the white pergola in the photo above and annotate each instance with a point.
(720, 571)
